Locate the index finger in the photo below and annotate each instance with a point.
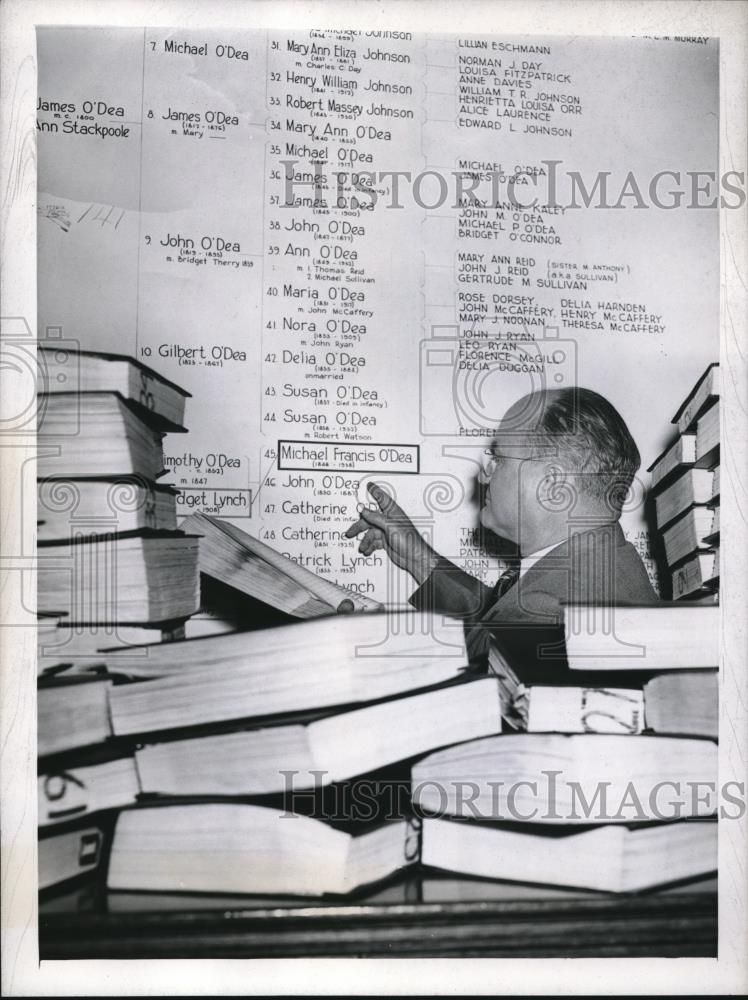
(384, 500)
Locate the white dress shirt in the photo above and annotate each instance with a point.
(528, 561)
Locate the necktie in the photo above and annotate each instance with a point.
(507, 579)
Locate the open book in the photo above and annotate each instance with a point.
(608, 858)
(241, 561)
(308, 665)
(221, 847)
(548, 778)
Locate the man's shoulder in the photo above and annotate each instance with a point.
(597, 566)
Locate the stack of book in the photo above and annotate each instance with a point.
(604, 773)
(192, 729)
(112, 568)
(215, 759)
(685, 483)
(110, 553)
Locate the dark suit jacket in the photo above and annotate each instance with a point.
(593, 567)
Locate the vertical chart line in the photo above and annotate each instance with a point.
(140, 202)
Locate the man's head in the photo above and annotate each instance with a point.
(558, 454)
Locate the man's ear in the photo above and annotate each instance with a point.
(556, 490)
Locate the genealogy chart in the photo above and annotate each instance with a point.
(357, 249)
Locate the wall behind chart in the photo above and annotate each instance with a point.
(339, 339)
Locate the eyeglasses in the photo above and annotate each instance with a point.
(490, 461)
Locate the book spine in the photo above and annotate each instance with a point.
(66, 855)
(68, 793)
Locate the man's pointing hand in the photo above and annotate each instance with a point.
(388, 527)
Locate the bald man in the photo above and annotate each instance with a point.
(557, 473)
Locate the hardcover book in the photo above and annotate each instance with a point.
(92, 371)
(99, 435)
(103, 506)
(662, 637)
(129, 579)
(703, 394)
(339, 660)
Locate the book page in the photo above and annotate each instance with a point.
(356, 249)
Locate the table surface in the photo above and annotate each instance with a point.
(416, 914)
